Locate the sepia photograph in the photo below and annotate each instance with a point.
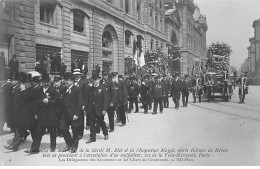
(129, 83)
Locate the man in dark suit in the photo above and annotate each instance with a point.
(72, 114)
(25, 109)
(145, 88)
(58, 107)
(176, 90)
(158, 91)
(167, 86)
(121, 97)
(185, 90)
(97, 107)
(46, 116)
(133, 91)
(79, 82)
(111, 95)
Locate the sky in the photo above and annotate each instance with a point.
(231, 21)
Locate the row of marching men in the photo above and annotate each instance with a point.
(39, 104)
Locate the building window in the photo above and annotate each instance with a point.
(5, 8)
(151, 17)
(106, 40)
(157, 44)
(161, 24)
(161, 45)
(47, 9)
(160, 3)
(78, 21)
(127, 6)
(156, 21)
(127, 38)
(138, 11)
(151, 44)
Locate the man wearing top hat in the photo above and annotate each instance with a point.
(97, 107)
(46, 116)
(72, 114)
(79, 82)
(176, 89)
(25, 109)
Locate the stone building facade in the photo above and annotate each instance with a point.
(103, 32)
(192, 37)
(98, 32)
(17, 32)
(254, 51)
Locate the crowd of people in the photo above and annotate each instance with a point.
(35, 103)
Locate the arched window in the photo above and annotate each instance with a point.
(106, 40)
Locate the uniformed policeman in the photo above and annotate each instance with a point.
(158, 91)
(97, 107)
(145, 88)
(111, 95)
(133, 91)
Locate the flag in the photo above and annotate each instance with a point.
(142, 60)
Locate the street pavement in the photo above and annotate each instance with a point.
(216, 133)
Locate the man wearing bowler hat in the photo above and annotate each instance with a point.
(46, 116)
(97, 107)
(72, 114)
